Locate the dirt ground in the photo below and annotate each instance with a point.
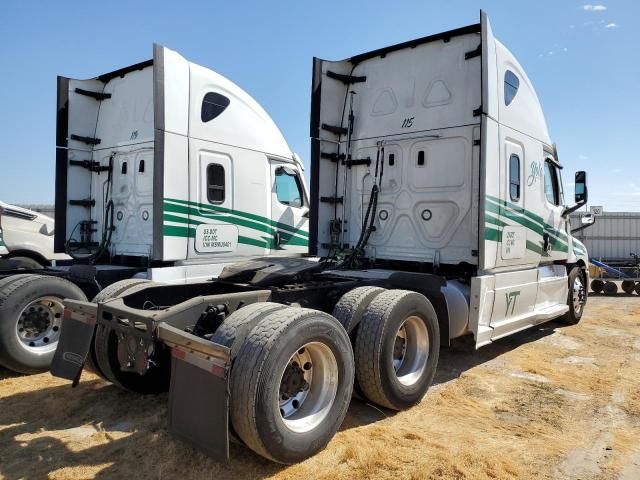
(551, 402)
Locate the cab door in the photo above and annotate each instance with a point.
(552, 274)
(515, 289)
(555, 238)
(512, 221)
(223, 229)
(289, 209)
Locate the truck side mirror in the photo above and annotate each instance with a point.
(581, 193)
(581, 188)
(586, 220)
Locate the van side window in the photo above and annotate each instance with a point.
(288, 187)
(551, 188)
(511, 85)
(514, 177)
(213, 105)
(215, 183)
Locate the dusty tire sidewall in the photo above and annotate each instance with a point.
(283, 444)
(399, 395)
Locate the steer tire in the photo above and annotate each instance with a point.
(256, 384)
(16, 293)
(351, 306)
(112, 291)
(376, 344)
(155, 380)
(235, 328)
(638, 288)
(572, 317)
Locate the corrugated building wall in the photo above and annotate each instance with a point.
(612, 237)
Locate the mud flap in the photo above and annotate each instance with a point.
(78, 325)
(199, 392)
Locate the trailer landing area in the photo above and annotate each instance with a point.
(550, 402)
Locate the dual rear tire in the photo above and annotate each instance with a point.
(291, 380)
(397, 348)
(293, 369)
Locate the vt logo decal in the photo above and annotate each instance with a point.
(510, 298)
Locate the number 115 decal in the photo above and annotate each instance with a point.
(408, 122)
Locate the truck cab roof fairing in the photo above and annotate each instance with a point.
(524, 113)
(242, 123)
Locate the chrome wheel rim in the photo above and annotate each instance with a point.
(38, 324)
(410, 351)
(308, 387)
(578, 296)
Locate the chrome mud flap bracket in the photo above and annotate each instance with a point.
(77, 330)
(199, 393)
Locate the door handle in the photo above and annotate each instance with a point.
(546, 242)
(276, 239)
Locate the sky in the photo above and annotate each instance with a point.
(583, 59)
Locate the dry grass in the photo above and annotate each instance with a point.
(551, 402)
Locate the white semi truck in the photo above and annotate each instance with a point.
(436, 211)
(26, 239)
(165, 172)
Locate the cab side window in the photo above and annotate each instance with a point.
(215, 183)
(288, 187)
(213, 104)
(511, 85)
(551, 183)
(514, 177)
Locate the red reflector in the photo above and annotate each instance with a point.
(217, 370)
(176, 352)
(67, 312)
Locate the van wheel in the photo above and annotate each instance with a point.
(597, 286)
(638, 288)
(31, 312)
(112, 291)
(397, 349)
(610, 288)
(155, 380)
(291, 384)
(576, 297)
(351, 306)
(628, 286)
(235, 328)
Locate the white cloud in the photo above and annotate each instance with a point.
(555, 50)
(582, 157)
(617, 170)
(611, 25)
(594, 8)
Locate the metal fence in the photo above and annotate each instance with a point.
(613, 237)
